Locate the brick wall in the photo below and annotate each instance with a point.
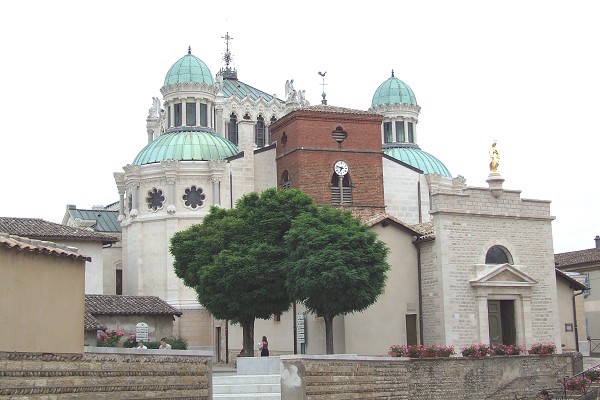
(339, 377)
(101, 376)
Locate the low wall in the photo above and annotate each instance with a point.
(116, 374)
(352, 377)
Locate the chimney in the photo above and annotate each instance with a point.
(597, 240)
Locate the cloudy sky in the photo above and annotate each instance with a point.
(79, 78)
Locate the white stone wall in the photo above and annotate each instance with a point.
(432, 294)
(401, 191)
(265, 170)
(466, 226)
(94, 283)
(112, 261)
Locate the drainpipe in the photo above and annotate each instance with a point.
(575, 322)
(226, 341)
(420, 296)
(295, 329)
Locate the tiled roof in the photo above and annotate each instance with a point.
(106, 220)
(26, 244)
(589, 256)
(336, 110)
(91, 323)
(99, 304)
(381, 217)
(39, 229)
(574, 284)
(425, 228)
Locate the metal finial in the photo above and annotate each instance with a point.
(189, 49)
(392, 73)
(324, 101)
(227, 57)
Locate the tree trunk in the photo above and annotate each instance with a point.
(328, 333)
(248, 334)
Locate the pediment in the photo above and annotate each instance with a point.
(502, 275)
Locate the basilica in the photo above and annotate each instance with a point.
(468, 264)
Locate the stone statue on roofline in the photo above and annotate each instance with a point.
(154, 111)
(302, 99)
(291, 95)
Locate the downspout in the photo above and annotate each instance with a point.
(420, 296)
(575, 322)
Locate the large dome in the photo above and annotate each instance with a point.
(186, 145)
(416, 157)
(393, 91)
(189, 68)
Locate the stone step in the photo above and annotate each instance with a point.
(248, 388)
(130, 395)
(245, 379)
(251, 396)
(87, 391)
(105, 379)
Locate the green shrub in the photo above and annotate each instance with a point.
(178, 343)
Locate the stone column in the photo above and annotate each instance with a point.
(198, 113)
(484, 323)
(170, 168)
(183, 113)
(135, 188)
(393, 129)
(405, 123)
(218, 126)
(528, 331)
(171, 109)
(216, 188)
(120, 181)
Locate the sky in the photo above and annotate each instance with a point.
(80, 77)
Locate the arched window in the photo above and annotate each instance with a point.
(259, 132)
(498, 255)
(341, 192)
(285, 180)
(232, 130)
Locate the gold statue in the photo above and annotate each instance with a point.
(495, 158)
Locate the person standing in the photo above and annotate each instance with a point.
(141, 345)
(264, 347)
(164, 345)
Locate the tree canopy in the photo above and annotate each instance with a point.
(235, 258)
(336, 265)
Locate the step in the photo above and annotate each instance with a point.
(168, 394)
(248, 388)
(245, 379)
(251, 396)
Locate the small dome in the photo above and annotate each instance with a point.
(416, 157)
(186, 145)
(189, 68)
(393, 91)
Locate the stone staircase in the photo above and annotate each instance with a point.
(256, 378)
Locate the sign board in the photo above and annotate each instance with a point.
(300, 328)
(141, 332)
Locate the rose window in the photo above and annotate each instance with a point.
(194, 197)
(155, 199)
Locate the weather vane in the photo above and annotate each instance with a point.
(324, 101)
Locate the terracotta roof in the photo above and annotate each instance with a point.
(39, 229)
(91, 323)
(334, 109)
(99, 304)
(382, 217)
(40, 246)
(425, 228)
(572, 258)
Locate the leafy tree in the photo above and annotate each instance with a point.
(336, 264)
(234, 259)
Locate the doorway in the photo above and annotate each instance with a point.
(501, 317)
(411, 329)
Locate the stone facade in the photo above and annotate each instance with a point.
(99, 376)
(349, 377)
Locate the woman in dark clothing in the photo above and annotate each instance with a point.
(264, 347)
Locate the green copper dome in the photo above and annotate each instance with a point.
(393, 91)
(186, 145)
(418, 159)
(189, 68)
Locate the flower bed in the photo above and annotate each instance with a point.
(543, 348)
(416, 351)
(108, 338)
(482, 350)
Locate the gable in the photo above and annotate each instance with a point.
(502, 275)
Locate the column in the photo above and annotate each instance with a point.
(135, 188)
(171, 208)
(405, 122)
(393, 130)
(171, 108)
(198, 113)
(484, 323)
(216, 188)
(120, 181)
(183, 113)
(218, 126)
(415, 131)
(528, 331)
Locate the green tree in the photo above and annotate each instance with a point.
(234, 259)
(336, 265)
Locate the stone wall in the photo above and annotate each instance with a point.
(123, 375)
(351, 377)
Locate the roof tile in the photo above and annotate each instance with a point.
(98, 304)
(40, 246)
(571, 258)
(36, 228)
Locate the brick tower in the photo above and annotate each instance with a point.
(334, 155)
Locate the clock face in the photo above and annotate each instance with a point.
(341, 168)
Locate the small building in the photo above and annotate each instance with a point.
(42, 286)
(586, 262)
(123, 313)
(88, 242)
(570, 288)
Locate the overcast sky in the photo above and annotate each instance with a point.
(79, 79)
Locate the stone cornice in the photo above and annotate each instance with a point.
(189, 87)
(386, 108)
